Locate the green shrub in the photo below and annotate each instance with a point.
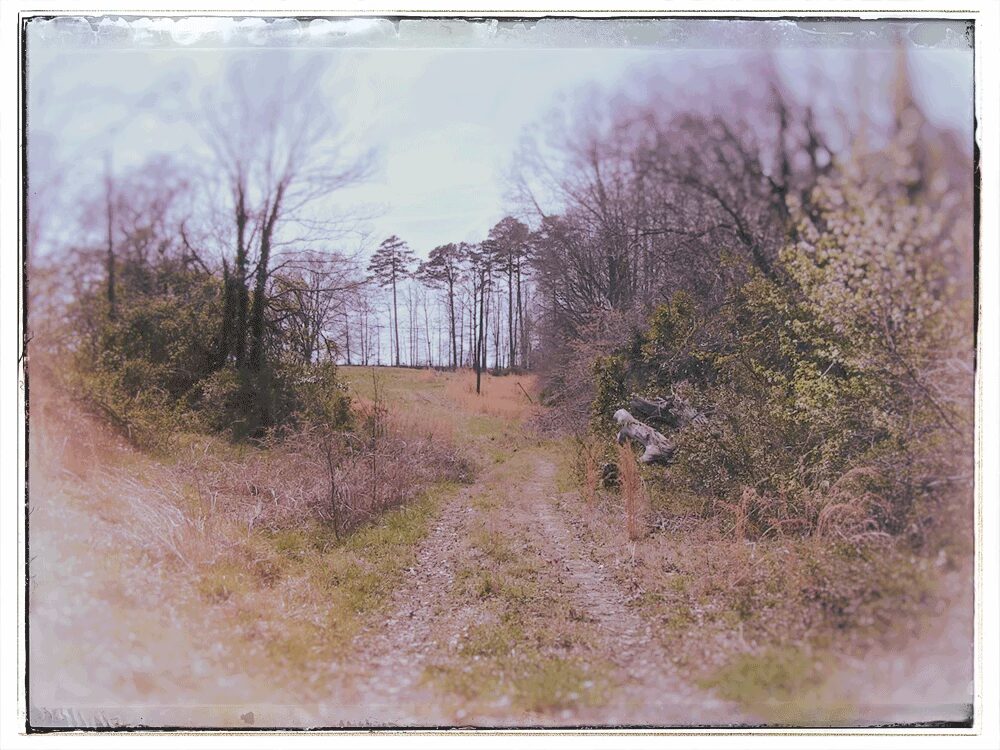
(311, 393)
(225, 400)
(147, 416)
(155, 367)
(139, 367)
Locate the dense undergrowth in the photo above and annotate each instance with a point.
(819, 496)
(819, 489)
(834, 399)
(765, 621)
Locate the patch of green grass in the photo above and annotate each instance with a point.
(223, 580)
(493, 639)
(487, 585)
(332, 584)
(297, 645)
(392, 381)
(294, 544)
(493, 545)
(519, 591)
(475, 681)
(679, 583)
(664, 501)
(485, 425)
(774, 676)
(534, 682)
(783, 684)
(564, 453)
(486, 501)
(678, 620)
(554, 684)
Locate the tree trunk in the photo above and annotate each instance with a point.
(520, 320)
(260, 287)
(112, 301)
(473, 341)
(395, 313)
(481, 340)
(242, 298)
(263, 381)
(347, 336)
(427, 332)
(454, 337)
(228, 314)
(496, 333)
(510, 313)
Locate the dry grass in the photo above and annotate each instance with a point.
(253, 548)
(509, 397)
(522, 641)
(342, 479)
(633, 493)
(721, 597)
(591, 474)
(850, 511)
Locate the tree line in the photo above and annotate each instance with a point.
(485, 283)
(801, 281)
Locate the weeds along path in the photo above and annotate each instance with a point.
(385, 684)
(651, 691)
(504, 619)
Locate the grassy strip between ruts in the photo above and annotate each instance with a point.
(526, 647)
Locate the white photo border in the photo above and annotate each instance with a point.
(985, 733)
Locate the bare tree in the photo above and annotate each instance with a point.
(508, 242)
(280, 150)
(308, 297)
(481, 273)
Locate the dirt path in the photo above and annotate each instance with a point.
(655, 693)
(503, 618)
(384, 684)
(434, 620)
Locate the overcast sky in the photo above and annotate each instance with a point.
(445, 110)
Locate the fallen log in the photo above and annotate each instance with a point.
(659, 449)
(668, 410)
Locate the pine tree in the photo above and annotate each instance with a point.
(390, 265)
(480, 258)
(443, 269)
(508, 241)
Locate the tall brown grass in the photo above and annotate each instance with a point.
(343, 478)
(589, 454)
(505, 396)
(633, 493)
